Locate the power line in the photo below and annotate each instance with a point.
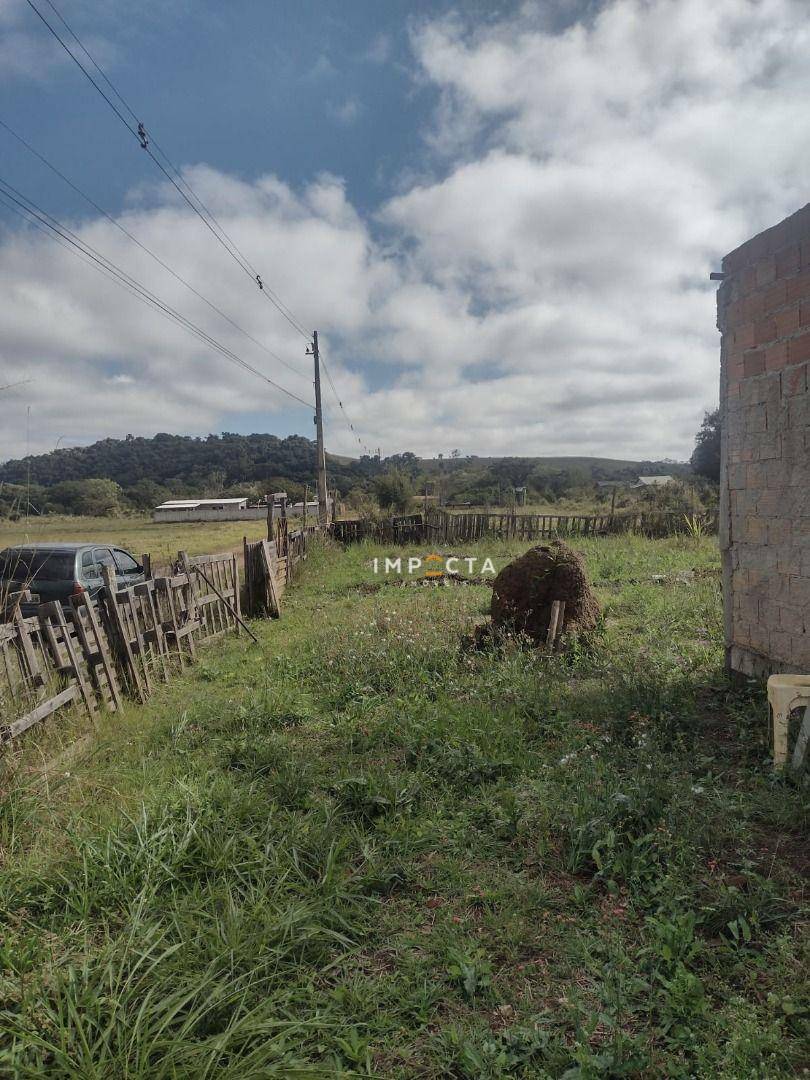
(19, 382)
(181, 184)
(148, 251)
(46, 222)
(177, 181)
(341, 406)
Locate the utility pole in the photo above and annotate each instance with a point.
(323, 508)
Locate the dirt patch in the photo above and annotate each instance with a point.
(523, 592)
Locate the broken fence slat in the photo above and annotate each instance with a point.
(43, 710)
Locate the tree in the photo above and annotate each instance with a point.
(394, 490)
(96, 497)
(146, 494)
(705, 458)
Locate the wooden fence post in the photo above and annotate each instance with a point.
(120, 635)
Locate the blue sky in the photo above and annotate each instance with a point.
(295, 88)
(501, 217)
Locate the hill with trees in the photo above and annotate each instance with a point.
(136, 473)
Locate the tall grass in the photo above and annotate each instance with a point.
(364, 849)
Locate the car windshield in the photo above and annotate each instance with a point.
(28, 566)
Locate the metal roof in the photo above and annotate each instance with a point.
(192, 504)
(652, 481)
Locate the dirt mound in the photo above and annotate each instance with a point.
(523, 592)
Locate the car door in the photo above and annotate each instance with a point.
(91, 573)
(129, 570)
(104, 557)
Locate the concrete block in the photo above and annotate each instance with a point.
(791, 619)
(755, 420)
(799, 591)
(779, 530)
(779, 646)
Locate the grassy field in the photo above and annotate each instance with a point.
(365, 849)
(137, 534)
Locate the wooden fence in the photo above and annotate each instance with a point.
(51, 661)
(405, 529)
(439, 526)
(443, 527)
(271, 564)
(126, 640)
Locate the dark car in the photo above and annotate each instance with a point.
(59, 571)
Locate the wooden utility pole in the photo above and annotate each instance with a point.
(323, 508)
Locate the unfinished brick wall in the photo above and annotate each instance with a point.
(763, 308)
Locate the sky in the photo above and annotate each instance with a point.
(500, 217)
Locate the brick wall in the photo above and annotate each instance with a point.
(763, 308)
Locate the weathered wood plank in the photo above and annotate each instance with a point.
(43, 710)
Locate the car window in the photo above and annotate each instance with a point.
(104, 557)
(28, 565)
(126, 564)
(90, 568)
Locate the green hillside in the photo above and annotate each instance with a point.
(136, 472)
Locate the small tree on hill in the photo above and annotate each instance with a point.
(705, 458)
(394, 491)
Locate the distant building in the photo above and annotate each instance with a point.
(237, 509)
(653, 481)
(209, 510)
(641, 482)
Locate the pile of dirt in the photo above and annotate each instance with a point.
(523, 592)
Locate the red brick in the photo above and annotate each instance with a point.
(788, 260)
(787, 322)
(794, 381)
(744, 336)
(753, 306)
(797, 288)
(799, 349)
(764, 331)
(748, 280)
(775, 296)
(776, 356)
(735, 368)
(805, 254)
(735, 312)
(804, 313)
(754, 363)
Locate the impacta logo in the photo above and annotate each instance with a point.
(436, 566)
(435, 572)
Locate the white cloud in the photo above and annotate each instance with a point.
(544, 291)
(27, 49)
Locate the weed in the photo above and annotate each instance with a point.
(363, 850)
